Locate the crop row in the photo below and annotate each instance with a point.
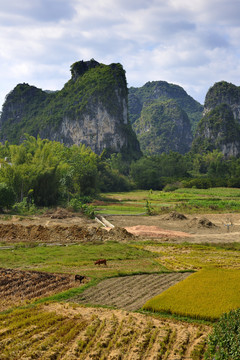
(42, 333)
(18, 286)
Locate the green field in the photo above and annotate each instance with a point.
(206, 294)
(216, 200)
(122, 259)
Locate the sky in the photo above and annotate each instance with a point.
(191, 43)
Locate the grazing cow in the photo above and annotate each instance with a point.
(101, 261)
(80, 278)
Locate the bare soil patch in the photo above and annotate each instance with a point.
(60, 234)
(17, 286)
(129, 292)
(213, 228)
(155, 232)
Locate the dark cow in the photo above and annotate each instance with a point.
(80, 278)
(101, 261)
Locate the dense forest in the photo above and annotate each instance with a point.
(40, 172)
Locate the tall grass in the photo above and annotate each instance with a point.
(206, 294)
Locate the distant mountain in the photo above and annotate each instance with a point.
(220, 126)
(163, 127)
(164, 117)
(91, 109)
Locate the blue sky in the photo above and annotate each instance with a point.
(192, 43)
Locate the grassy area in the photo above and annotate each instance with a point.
(184, 200)
(178, 257)
(121, 259)
(206, 294)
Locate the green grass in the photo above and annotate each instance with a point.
(214, 200)
(206, 294)
(121, 258)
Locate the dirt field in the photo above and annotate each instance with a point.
(17, 286)
(129, 292)
(213, 228)
(89, 333)
(64, 227)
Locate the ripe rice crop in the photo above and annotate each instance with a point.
(206, 294)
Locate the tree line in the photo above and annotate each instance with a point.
(48, 173)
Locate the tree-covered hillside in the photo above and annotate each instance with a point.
(164, 117)
(91, 109)
(163, 127)
(162, 90)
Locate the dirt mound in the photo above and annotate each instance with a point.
(59, 234)
(174, 215)
(201, 223)
(155, 232)
(119, 233)
(59, 213)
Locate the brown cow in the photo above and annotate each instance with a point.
(101, 261)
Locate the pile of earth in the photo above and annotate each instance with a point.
(59, 213)
(174, 215)
(201, 223)
(60, 234)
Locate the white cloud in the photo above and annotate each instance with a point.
(190, 43)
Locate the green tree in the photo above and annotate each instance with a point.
(7, 196)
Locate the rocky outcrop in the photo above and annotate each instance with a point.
(162, 91)
(163, 127)
(164, 117)
(223, 93)
(220, 126)
(91, 109)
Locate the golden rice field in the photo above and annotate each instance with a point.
(206, 294)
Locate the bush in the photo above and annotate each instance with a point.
(224, 341)
(25, 207)
(172, 187)
(7, 196)
(198, 183)
(78, 206)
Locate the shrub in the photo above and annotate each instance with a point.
(77, 205)
(7, 196)
(224, 341)
(25, 207)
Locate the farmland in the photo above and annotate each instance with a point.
(57, 317)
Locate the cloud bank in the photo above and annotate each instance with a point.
(192, 44)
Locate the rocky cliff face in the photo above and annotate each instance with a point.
(163, 116)
(91, 109)
(163, 127)
(162, 91)
(220, 126)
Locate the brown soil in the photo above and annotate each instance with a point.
(60, 234)
(213, 228)
(155, 232)
(54, 227)
(174, 215)
(129, 292)
(17, 286)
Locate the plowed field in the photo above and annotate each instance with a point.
(57, 331)
(129, 292)
(17, 286)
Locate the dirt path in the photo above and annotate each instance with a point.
(129, 292)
